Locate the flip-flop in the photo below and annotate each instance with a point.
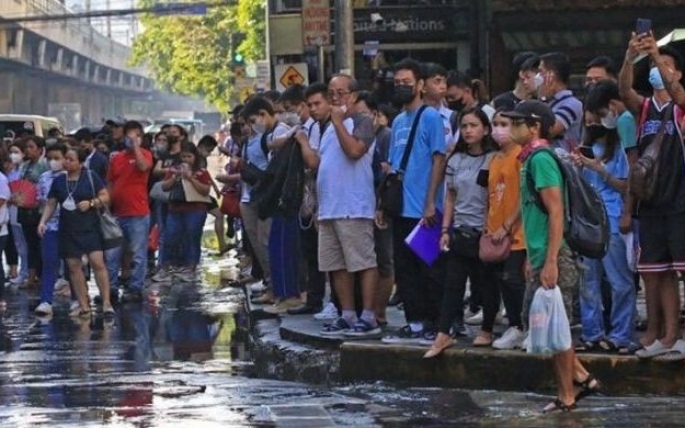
(676, 353)
(654, 350)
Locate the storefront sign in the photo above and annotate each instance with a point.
(316, 22)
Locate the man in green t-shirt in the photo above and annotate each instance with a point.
(550, 261)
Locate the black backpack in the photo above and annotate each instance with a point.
(586, 225)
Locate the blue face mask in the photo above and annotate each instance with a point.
(128, 142)
(655, 79)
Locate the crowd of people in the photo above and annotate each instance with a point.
(56, 193)
(328, 184)
(466, 163)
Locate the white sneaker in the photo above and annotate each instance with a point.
(43, 309)
(329, 312)
(257, 286)
(511, 339)
(17, 281)
(162, 276)
(74, 305)
(476, 319)
(60, 284)
(187, 276)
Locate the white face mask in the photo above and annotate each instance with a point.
(16, 158)
(55, 165)
(538, 80)
(610, 121)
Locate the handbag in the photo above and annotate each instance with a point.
(491, 252)
(250, 173)
(230, 203)
(191, 193)
(465, 241)
(391, 190)
(177, 193)
(112, 235)
(644, 174)
(157, 193)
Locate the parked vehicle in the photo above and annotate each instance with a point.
(21, 124)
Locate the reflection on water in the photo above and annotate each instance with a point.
(182, 359)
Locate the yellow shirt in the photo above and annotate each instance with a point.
(503, 193)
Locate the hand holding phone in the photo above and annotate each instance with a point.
(587, 152)
(643, 26)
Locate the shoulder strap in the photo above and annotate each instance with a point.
(643, 117)
(410, 140)
(265, 148)
(530, 182)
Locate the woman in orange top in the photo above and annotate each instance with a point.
(507, 278)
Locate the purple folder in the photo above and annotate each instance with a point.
(425, 240)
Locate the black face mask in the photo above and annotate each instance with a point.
(457, 105)
(403, 94)
(596, 132)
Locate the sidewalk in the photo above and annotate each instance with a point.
(465, 366)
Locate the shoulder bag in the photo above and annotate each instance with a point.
(112, 235)
(191, 193)
(644, 174)
(391, 190)
(250, 173)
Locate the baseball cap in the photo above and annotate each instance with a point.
(83, 134)
(532, 110)
(116, 121)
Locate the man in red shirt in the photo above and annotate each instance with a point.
(127, 179)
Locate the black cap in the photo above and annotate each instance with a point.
(83, 134)
(532, 110)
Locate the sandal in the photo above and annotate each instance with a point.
(586, 387)
(559, 406)
(588, 346)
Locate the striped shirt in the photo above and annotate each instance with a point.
(568, 110)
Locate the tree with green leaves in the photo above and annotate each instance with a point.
(192, 55)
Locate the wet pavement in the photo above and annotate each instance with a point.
(183, 358)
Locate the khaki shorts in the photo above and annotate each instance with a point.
(346, 244)
(569, 275)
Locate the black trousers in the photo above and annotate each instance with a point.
(459, 269)
(313, 280)
(34, 249)
(10, 249)
(506, 279)
(420, 286)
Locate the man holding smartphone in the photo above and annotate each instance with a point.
(662, 217)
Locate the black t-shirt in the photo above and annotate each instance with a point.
(506, 101)
(670, 186)
(80, 190)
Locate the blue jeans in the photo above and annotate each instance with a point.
(136, 234)
(284, 251)
(620, 278)
(51, 263)
(22, 250)
(160, 210)
(184, 232)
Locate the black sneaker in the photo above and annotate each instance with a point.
(113, 298)
(363, 329)
(132, 296)
(305, 310)
(404, 336)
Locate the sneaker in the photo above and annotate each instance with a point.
(132, 296)
(17, 281)
(61, 284)
(163, 275)
(43, 309)
(404, 336)
(282, 307)
(187, 276)
(74, 305)
(525, 343)
(363, 329)
(476, 319)
(329, 313)
(459, 329)
(338, 328)
(511, 339)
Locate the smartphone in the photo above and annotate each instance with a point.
(587, 152)
(643, 26)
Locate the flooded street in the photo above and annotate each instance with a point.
(183, 359)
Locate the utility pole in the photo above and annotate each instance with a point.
(344, 36)
(109, 21)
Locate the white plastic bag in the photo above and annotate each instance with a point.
(548, 327)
